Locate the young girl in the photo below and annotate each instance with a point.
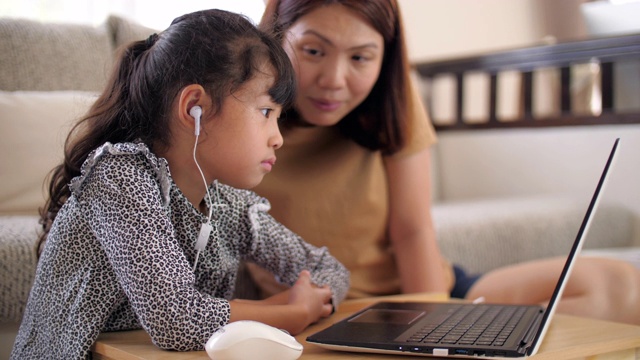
(135, 237)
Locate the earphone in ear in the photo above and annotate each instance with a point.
(206, 228)
(196, 113)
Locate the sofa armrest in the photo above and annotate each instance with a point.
(18, 237)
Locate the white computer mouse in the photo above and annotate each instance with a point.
(246, 339)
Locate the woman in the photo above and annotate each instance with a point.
(354, 174)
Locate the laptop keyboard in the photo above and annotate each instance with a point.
(471, 325)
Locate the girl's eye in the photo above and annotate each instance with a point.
(266, 112)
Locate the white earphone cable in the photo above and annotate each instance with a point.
(206, 228)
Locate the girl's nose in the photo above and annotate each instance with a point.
(276, 139)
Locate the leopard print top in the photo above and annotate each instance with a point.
(120, 256)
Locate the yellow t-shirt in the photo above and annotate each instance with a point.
(334, 193)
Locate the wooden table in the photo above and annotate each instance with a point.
(569, 337)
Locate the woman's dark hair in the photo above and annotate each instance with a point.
(217, 49)
(380, 121)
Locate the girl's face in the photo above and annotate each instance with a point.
(241, 139)
(337, 57)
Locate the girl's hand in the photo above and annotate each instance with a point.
(292, 310)
(314, 301)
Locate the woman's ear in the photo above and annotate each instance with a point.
(191, 97)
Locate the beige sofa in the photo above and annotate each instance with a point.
(50, 73)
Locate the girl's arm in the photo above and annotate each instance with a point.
(410, 224)
(285, 254)
(292, 310)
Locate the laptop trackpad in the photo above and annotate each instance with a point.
(387, 316)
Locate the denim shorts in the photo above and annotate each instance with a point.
(463, 282)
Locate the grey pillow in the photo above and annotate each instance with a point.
(53, 56)
(124, 31)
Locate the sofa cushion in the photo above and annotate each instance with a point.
(53, 56)
(482, 235)
(33, 127)
(124, 31)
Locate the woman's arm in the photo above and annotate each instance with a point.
(410, 224)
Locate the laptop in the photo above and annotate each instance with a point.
(451, 329)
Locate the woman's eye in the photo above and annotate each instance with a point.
(266, 112)
(312, 51)
(362, 58)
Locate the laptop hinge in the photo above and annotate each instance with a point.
(525, 343)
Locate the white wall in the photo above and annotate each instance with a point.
(444, 28)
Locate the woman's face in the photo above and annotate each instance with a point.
(337, 57)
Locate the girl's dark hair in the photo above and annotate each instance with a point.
(380, 121)
(217, 49)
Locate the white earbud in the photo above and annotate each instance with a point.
(206, 228)
(196, 113)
